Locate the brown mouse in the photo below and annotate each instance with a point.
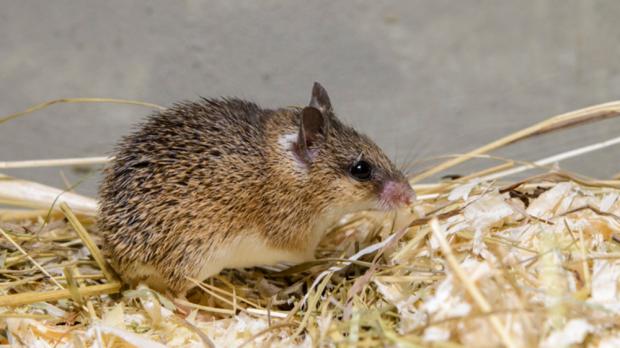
(224, 183)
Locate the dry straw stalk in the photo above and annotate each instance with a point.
(475, 262)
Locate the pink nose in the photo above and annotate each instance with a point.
(397, 193)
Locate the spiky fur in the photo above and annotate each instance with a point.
(214, 184)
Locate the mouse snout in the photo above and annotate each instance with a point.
(395, 194)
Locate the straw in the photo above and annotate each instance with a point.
(569, 119)
(88, 242)
(47, 104)
(476, 261)
(54, 162)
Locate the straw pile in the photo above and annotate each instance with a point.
(475, 262)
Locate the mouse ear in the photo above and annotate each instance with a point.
(313, 123)
(312, 129)
(320, 99)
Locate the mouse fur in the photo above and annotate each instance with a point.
(224, 183)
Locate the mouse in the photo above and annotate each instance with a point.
(224, 183)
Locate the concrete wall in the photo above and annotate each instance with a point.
(422, 77)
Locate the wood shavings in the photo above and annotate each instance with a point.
(574, 332)
(519, 264)
(548, 279)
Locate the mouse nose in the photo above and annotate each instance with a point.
(397, 193)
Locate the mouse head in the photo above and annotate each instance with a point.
(345, 165)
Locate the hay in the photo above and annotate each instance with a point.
(475, 262)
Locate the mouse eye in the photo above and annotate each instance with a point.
(361, 170)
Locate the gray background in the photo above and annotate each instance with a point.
(424, 78)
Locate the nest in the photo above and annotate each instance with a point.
(476, 261)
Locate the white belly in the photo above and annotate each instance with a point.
(253, 251)
(249, 251)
